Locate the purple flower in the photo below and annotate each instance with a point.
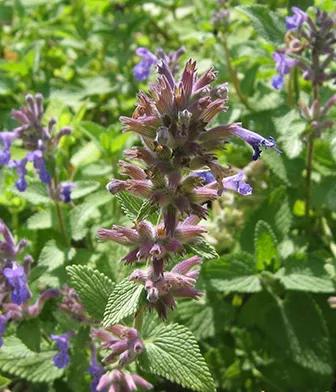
(283, 65)
(65, 189)
(20, 166)
(39, 164)
(3, 323)
(8, 248)
(62, 358)
(295, 21)
(6, 139)
(277, 82)
(254, 139)
(118, 380)
(142, 70)
(95, 369)
(206, 176)
(237, 183)
(16, 278)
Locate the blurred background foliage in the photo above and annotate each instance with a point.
(264, 322)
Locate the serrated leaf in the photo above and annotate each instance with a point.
(283, 217)
(40, 220)
(203, 249)
(83, 188)
(93, 288)
(83, 213)
(275, 163)
(172, 352)
(18, 360)
(30, 334)
(265, 22)
(306, 275)
(234, 273)
(148, 211)
(122, 302)
(131, 205)
(265, 243)
(52, 256)
(35, 193)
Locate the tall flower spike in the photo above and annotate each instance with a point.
(118, 380)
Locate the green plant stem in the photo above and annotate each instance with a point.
(309, 166)
(59, 214)
(138, 319)
(234, 77)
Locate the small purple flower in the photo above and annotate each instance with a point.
(3, 323)
(20, 166)
(142, 70)
(65, 189)
(62, 358)
(17, 279)
(295, 21)
(254, 139)
(6, 139)
(283, 65)
(95, 369)
(237, 183)
(206, 176)
(39, 164)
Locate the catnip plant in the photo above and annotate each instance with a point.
(175, 172)
(310, 51)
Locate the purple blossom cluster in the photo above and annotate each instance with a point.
(307, 39)
(149, 60)
(177, 171)
(39, 141)
(14, 290)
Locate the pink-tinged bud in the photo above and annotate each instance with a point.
(191, 220)
(116, 186)
(141, 188)
(20, 116)
(205, 79)
(104, 382)
(185, 233)
(212, 110)
(141, 382)
(102, 334)
(140, 153)
(184, 266)
(204, 194)
(132, 171)
(35, 309)
(146, 230)
(329, 104)
(144, 126)
(119, 234)
(138, 276)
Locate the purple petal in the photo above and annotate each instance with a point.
(237, 184)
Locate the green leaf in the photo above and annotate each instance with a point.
(130, 204)
(93, 288)
(234, 273)
(283, 216)
(275, 163)
(18, 360)
(203, 249)
(123, 302)
(266, 252)
(172, 352)
(52, 256)
(4, 382)
(306, 275)
(267, 23)
(148, 211)
(40, 220)
(83, 188)
(30, 334)
(83, 213)
(36, 193)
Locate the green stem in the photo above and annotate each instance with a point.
(234, 77)
(59, 213)
(309, 167)
(138, 319)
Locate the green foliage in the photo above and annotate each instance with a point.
(131, 205)
(93, 288)
(122, 302)
(172, 352)
(18, 360)
(265, 247)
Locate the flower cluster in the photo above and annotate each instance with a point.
(148, 61)
(169, 171)
(309, 46)
(62, 358)
(40, 143)
(14, 290)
